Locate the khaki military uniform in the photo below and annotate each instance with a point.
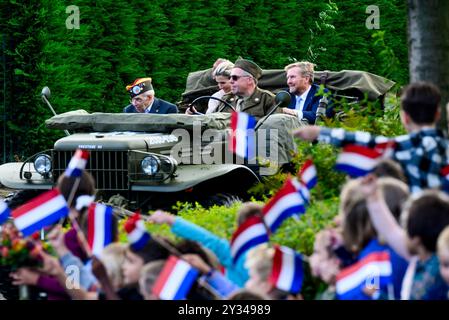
(257, 105)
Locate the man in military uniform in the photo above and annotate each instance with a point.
(143, 100)
(250, 98)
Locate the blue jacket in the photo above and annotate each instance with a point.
(159, 106)
(311, 104)
(237, 272)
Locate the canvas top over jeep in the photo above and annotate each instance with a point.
(347, 83)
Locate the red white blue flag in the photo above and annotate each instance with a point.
(308, 174)
(242, 140)
(357, 161)
(42, 211)
(175, 280)
(303, 191)
(287, 272)
(5, 212)
(249, 234)
(445, 175)
(287, 202)
(137, 234)
(371, 273)
(99, 227)
(77, 164)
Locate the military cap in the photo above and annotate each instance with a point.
(249, 67)
(139, 86)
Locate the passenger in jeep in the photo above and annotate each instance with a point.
(304, 102)
(143, 99)
(250, 98)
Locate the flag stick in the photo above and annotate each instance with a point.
(81, 236)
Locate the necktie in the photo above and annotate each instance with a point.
(298, 103)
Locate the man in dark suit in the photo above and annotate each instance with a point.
(143, 100)
(304, 102)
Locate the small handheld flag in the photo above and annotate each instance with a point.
(40, 212)
(5, 212)
(242, 140)
(286, 202)
(249, 234)
(372, 271)
(175, 280)
(77, 164)
(357, 161)
(136, 232)
(99, 227)
(308, 174)
(287, 271)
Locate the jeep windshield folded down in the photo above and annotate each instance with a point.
(154, 160)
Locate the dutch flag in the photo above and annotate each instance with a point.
(175, 280)
(308, 174)
(5, 212)
(287, 272)
(242, 140)
(303, 191)
(99, 227)
(249, 234)
(287, 202)
(40, 212)
(372, 271)
(136, 232)
(357, 161)
(77, 164)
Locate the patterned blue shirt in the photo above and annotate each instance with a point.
(422, 154)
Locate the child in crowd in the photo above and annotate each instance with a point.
(148, 276)
(67, 245)
(355, 231)
(443, 255)
(422, 153)
(113, 257)
(325, 262)
(148, 248)
(358, 231)
(424, 216)
(259, 262)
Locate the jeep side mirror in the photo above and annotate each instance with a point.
(46, 93)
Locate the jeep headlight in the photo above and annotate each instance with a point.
(42, 164)
(150, 165)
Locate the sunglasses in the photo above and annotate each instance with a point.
(235, 77)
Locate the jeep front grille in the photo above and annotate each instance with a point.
(109, 168)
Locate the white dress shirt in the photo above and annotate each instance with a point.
(148, 109)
